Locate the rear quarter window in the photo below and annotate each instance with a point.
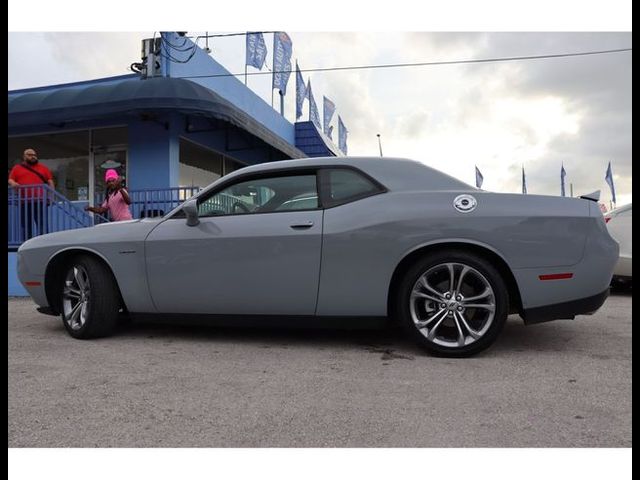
(345, 185)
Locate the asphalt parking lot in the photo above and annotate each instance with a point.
(559, 384)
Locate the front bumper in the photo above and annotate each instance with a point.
(565, 310)
(32, 282)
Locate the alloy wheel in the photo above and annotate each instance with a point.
(452, 304)
(76, 295)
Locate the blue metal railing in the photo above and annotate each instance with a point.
(155, 202)
(38, 209)
(220, 204)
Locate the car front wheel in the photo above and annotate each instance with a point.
(90, 298)
(453, 303)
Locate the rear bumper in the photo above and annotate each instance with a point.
(565, 310)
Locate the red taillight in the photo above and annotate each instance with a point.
(33, 284)
(556, 276)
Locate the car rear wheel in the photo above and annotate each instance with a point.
(453, 303)
(90, 298)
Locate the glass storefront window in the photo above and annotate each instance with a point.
(198, 166)
(68, 157)
(65, 154)
(231, 165)
(109, 147)
(107, 137)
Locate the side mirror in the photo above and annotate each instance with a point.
(190, 209)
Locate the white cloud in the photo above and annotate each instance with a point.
(48, 58)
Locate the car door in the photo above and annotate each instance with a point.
(253, 252)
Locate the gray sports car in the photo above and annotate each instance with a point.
(333, 238)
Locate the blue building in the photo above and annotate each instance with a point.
(165, 134)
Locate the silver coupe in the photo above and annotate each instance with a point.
(331, 239)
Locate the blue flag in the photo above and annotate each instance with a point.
(328, 109)
(301, 92)
(314, 116)
(342, 136)
(479, 178)
(256, 50)
(282, 48)
(524, 182)
(609, 178)
(563, 174)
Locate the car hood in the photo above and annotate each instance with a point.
(128, 231)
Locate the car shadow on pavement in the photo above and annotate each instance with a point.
(390, 341)
(260, 334)
(544, 337)
(387, 339)
(621, 290)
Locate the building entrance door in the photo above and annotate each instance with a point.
(103, 160)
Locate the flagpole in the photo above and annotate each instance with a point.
(274, 66)
(281, 102)
(309, 96)
(246, 38)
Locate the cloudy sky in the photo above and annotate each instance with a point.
(498, 116)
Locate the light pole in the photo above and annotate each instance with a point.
(379, 144)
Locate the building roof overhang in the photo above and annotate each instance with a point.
(135, 97)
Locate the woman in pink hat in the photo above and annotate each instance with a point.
(116, 200)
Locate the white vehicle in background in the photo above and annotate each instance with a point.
(619, 225)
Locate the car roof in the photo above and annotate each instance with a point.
(393, 173)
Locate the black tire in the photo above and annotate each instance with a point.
(100, 314)
(409, 308)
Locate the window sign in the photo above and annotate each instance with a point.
(83, 193)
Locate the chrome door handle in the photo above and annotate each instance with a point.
(300, 226)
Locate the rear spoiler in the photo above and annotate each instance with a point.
(594, 196)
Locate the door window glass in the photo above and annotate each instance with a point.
(263, 195)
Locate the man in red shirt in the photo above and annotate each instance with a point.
(31, 201)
